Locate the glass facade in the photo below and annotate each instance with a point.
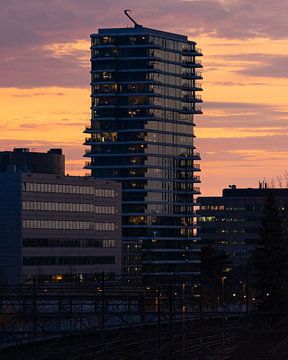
(143, 100)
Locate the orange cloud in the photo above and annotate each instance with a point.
(45, 94)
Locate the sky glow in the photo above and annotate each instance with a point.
(242, 135)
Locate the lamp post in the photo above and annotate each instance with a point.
(223, 278)
(243, 291)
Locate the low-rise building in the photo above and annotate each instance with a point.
(231, 222)
(57, 228)
(51, 162)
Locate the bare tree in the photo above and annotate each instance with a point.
(280, 181)
(286, 178)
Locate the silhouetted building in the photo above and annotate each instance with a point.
(143, 93)
(58, 228)
(52, 162)
(231, 222)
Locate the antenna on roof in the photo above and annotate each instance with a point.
(130, 17)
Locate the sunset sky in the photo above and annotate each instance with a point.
(242, 135)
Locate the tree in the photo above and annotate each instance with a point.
(270, 259)
(214, 264)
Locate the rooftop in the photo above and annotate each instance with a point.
(140, 30)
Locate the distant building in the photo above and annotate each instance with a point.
(231, 222)
(57, 228)
(144, 85)
(52, 162)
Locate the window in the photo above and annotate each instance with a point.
(67, 242)
(69, 189)
(69, 225)
(109, 243)
(68, 260)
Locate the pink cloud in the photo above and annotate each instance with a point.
(27, 26)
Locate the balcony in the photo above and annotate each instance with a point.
(195, 87)
(191, 110)
(198, 110)
(194, 99)
(192, 51)
(192, 75)
(192, 64)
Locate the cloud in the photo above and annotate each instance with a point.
(251, 65)
(237, 134)
(49, 124)
(30, 68)
(248, 155)
(250, 116)
(30, 126)
(269, 143)
(268, 66)
(238, 83)
(47, 44)
(33, 94)
(34, 23)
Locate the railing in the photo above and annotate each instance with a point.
(192, 50)
(188, 75)
(188, 86)
(196, 97)
(198, 109)
(192, 63)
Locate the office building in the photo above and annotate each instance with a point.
(231, 222)
(58, 228)
(52, 162)
(143, 101)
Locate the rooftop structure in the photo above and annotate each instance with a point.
(52, 162)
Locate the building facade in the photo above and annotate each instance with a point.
(143, 93)
(58, 228)
(231, 222)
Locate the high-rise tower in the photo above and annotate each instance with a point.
(143, 93)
